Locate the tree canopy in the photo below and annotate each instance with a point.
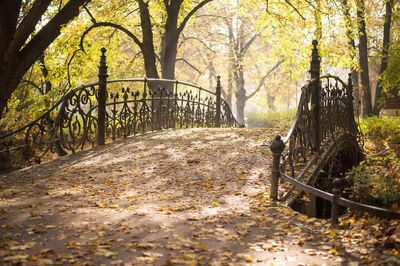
(258, 47)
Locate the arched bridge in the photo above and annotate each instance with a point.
(101, 111)
(321, 146)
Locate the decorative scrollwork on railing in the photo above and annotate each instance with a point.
(335, 117)
(336, 107)
(76, 121)
(73, 123)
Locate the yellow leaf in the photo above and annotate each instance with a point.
(333, 234)
(202, 246)
(215, 204)
(334, 252)
(248, 259)
(396, 253)
(378, 233)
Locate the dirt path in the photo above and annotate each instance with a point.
(196, 196)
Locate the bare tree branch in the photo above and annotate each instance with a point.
(189, 64)
(252, 39)
(191, 13)
(90, 15)
(48, 33)
(295, 9)
(199, 40)
(317, 9)
(264, 77)
(33, 85)
(27, 25)
(113, 25)
(69, 64)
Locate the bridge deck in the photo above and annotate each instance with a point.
(194, 196)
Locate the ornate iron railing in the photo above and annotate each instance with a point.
(323, 124)
(335, 117)
(96, 112)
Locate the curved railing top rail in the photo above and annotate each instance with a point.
(298, 113)
(303, 99)
(86, 85)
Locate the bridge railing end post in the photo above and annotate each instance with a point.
(335, 206)
(277, 146)
(315, 67)
(218, 90)
(102, 98)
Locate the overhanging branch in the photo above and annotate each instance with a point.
(189, 64)
(191, 13)
(264, 77)
(295, 9)
(112, 25)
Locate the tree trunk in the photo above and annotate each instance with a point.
(270, 101)
(8, 84)
(385, 53)
(352, 50)
(169, 44)
(147, 48)
(228, 98)
(241, 97)
(240, 104)
(19, 47)
(363, 55)
(47, 84)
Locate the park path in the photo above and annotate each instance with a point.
(187, 197)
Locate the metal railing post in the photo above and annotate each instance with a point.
(315, 96)
(218, 103)
(335, 206)
(277, 146)
(102, 98)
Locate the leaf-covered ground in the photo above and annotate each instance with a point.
(189, 197)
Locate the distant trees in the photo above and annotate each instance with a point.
(196, 40)
(370, 107)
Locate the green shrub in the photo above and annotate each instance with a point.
(383, 128)
(283, 119)
(377, 179)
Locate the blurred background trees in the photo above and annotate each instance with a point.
(260, 48)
